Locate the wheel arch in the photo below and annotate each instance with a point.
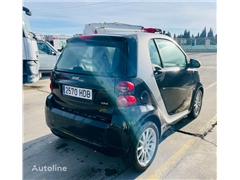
(130, 159)
(199, 86)
(149, 118)
(156, 121)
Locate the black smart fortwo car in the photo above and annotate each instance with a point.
(118, 94)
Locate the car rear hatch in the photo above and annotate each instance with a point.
(84, 79)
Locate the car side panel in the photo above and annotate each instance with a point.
(176, 88)
(145, 71)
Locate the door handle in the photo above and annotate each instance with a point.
(158, 73)
(157, 70)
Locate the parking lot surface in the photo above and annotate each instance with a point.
(187, 149)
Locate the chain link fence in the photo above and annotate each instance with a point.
(197, 44)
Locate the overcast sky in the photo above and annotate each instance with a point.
(59, 17)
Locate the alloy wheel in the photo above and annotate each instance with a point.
(146, 146)
(198, 103)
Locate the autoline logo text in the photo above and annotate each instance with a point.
(52, 168)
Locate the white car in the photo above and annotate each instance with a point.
(48, 56)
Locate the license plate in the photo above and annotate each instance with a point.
(77, 92)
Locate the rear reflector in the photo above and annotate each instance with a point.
(126, 100)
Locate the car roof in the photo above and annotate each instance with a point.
(131, 34)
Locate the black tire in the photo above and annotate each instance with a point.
(197, 104)
(58, 135)
(141, 159)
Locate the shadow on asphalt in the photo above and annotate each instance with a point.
(45, 158)
(45, 75)
(174, 128)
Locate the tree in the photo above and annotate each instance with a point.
(168, 34)
(210, 33)
(174, 36)
(204, 33)
(180, 36)
(186, 34)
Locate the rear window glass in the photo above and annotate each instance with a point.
(97, 56)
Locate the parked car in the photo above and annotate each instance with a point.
(118, 94)
(48, 56)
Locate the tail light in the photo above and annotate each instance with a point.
(51, 88)
(125, 98)
(125, 86)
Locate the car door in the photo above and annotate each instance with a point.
(173, 77)
(47, 57)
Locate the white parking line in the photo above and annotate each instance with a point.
(211, 85)
(209, 67)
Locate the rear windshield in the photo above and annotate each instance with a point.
(96, 55)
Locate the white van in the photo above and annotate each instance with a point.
(115, 28)
(48, 56)
(57, 41)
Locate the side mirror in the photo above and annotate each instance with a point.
(27, 11)
(194, 63)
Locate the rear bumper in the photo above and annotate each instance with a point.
(112, 139)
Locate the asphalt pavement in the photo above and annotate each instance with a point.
(188, 150)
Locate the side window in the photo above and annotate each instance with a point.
(43, 48)
(153, 52)
(170, 54)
